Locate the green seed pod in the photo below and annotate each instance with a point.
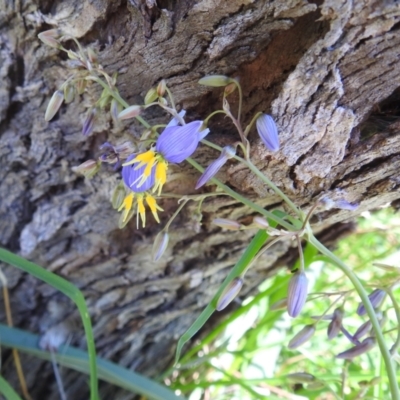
(151, 96)
(215, 80)
(54, 105)
(301, 377)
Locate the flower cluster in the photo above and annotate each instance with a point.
(147, 171)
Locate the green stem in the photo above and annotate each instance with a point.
(390, 368)
(117, 97)
(70, 291)
(214, 113)
(175, 214)
(258, 173)
(240, 99)
(243, 200)
(396, 307)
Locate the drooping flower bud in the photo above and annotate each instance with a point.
(362, 330)
(225, 223)
(229, 293)
(376, 298)
(301, 377)
(328, 203)
(315, 386)
(226, 153)
(151, 96)
(261, 222)
(278, 305)
(54, 105)
(115, 109)
(118, 196)
(297, 293)
(301, 337)
(50, 37)
(89, 168)
(81, 86)
(88, 124)
(92, 55)
(366, 345)
(130, 112)
(336, 323)
(161, 88)
(215, 80)
(69, 93)
(160, 245)
(268, 131)
(229, 89)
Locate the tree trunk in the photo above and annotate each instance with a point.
(328, 73)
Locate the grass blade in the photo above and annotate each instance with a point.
(8, 392)
(76, 359)
(73, 293)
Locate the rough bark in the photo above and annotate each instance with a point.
(328, 73)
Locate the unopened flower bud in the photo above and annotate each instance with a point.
(229, 293)
(362, 330)
(115, 109)
(54, 105)
(88, 124)
(328, 203)
(315, 386)
(261, 222)
(151, 96)
(336, 323)
(366, 345)
(268, 132)
(92, 55)
(301, 377)
(160, 245)
(301, 337)
(89, 168)
(130, 112)
(81, 86)
(226, 153)
(118, 196)
(215, 80)
(161, 88)
(227, 224)
(376, 298)
(229, 89)
(278, 305)
(69, 93)
(50, 38)
(297, 293)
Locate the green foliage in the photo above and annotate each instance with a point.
(246, 356)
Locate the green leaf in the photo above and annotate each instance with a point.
(76, 359)
(73, 293)
(7, 390)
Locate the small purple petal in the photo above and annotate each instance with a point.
(175, 121)
(376, 298)
(297, 293)
(132, 177)
(359, 349)
(345, 205)
(227, 153)
(178, 143)
(268, 131)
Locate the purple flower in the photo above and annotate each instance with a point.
(229, 293)
(301, 337)
(376, 298)
(297, 293)
(227, 153)
(177, 143)
(336, 324)
(363, 347)
(131, 175)
(268, 131)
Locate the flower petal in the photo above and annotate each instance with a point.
(268, 132)
(176, 144)
(133, 174)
